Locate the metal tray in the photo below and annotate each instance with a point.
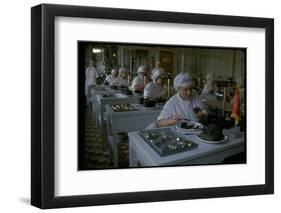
(124, 108)
(167, 142)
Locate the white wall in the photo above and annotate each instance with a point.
(218, 62)
(15, 105)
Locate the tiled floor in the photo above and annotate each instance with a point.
(96, 151)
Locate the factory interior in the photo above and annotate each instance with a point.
(148, 105)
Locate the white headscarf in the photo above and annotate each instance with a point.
(159, 73)
(182, 80)
(141, 69)
(208, 87)
(122, 70)
(114, 70)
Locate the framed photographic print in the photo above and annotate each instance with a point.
(139, 106)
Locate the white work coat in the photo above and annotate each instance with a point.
(90, 78)
(153, 90)
(207, 88)
(109, 79)
(183, 108)
(119, 82)
(137, 81)
(154, 70)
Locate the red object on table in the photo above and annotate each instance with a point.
(236, 105)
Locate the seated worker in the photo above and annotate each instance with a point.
(110, 78)
(183, 105)
(121, 80)
(156, 88)
(208, 87)
(157, 67)
(138, 83)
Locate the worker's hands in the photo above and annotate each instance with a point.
(170, 121)
(175, 119)
(198, 112)
(138, 88)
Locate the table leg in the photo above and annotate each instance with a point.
(97, 110)
(133, 162)
(115, 153)
(93, 112)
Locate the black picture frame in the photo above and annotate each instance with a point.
(43, 105)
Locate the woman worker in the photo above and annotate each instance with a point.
(208, 87)
(183, 105)
(110, 78)
(90, 79)
(156, 88)
(157, 66)
(138, 83)
(121, 80)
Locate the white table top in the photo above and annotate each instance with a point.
(140, 110)
(131, 120)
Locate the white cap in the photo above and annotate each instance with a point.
(182, 80)
(114, 70)
(141, 69)
(159, 73)
(122, 70)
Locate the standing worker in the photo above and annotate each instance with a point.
(90, 79)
